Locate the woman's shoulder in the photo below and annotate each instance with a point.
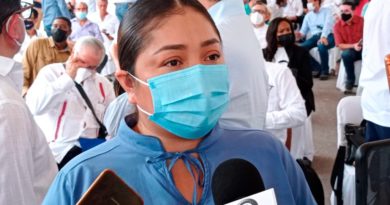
(247, 138)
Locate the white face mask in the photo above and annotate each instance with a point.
(83, 73)
(256, 18)
(310, 6)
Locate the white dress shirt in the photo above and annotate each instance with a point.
(110, 24)
(286, 107)
(376, 45)
(60, 110)
(293, 8)
(244, 58)
(276, 10)
(27, 166)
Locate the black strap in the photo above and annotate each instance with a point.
(102, 129)
(102, 64)
(338, 173)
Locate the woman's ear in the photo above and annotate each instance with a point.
(127, 84)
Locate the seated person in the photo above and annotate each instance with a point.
(179, 84)
(319, 23)
(58, 106)
(44, 51)
(81, 26)
(348, 33)
(259, 17)
(281, 48)
(286, 107)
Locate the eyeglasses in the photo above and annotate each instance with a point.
(24, 13)
(26, 10)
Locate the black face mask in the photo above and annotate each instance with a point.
(28, 24)
(58, 35)
(346, 17)
(286, 39)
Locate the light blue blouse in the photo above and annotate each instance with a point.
(141, 162)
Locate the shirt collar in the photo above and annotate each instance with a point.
(6, 65)
(152, 146)
(75, 20)
(53, 45)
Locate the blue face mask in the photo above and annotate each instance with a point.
(81, 15)
(189, 102)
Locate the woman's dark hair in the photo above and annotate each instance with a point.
(272, 39)
(7, 7)
(144, 16)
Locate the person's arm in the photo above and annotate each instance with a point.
(97, 32)
(60, 191)
(305, 27)
(49, 89)
(328, 24)
(63, 9)
(292, 111)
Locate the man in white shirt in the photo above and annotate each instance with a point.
(244, 58)
(376, 90)
(259, 16)
(81, 26)
(27, 167)
(57, 105)
(108, 25)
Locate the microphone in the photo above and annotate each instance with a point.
(235, 179)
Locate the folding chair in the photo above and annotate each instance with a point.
(348, 111)
(373, 173)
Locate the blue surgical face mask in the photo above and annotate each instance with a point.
(189, 102)
(81, 15)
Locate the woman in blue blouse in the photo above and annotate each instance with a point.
(173, 71)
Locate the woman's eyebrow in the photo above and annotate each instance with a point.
(171, 47)
(183, 47)
(210, 42)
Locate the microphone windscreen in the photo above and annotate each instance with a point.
(235, 179)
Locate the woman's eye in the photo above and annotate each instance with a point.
(213, 57)
(173, 63)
